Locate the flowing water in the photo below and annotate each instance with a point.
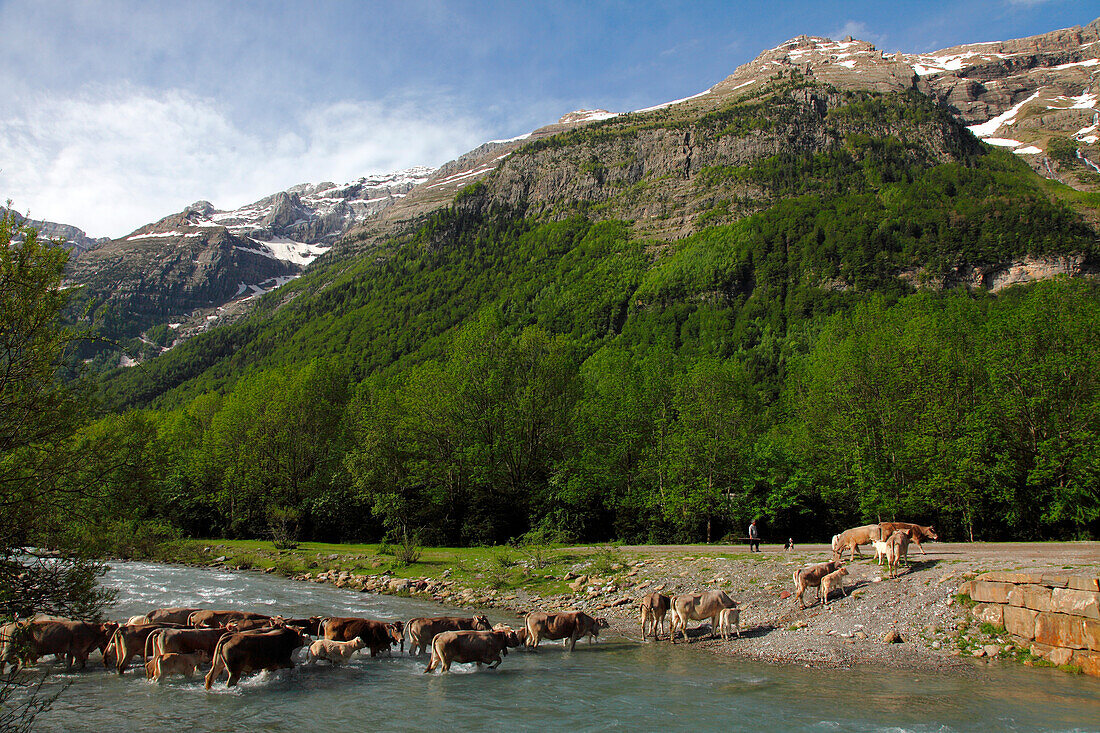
(615, 684)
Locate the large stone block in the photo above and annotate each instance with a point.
(1035, 597)
(967, 588)
(1092, 634)
(987, 591)
(1058, 629)
(1055, 581)
(1060, 656)
(1020, 621)
(991, 613)
(1080, 582)
(1088, 662)
(1075, 602)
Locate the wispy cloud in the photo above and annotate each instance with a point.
(858, 30)
(112, 161)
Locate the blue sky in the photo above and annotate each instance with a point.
(114, 114)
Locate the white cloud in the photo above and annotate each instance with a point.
(857, 30)
(109, 162)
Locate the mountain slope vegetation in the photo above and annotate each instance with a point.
(657, 328)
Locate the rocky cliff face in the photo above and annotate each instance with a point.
(72, 238)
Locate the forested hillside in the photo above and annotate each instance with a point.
(603, 342)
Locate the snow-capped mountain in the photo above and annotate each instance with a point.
(74, 239)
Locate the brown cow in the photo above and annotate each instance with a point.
(697, 607)
(653, 607)
(379, 635)
(809, 576)
(127, 641)
(917, 533)
(163, 665)
(851, 539)
(421, 631)
(73, 639)
(483, 647)
(311, 625)
(170, 615)
(254, 651)
(255, 624)
(568, 626)
(210, 619)
(183, 641)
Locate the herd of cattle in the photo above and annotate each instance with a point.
(182, 640)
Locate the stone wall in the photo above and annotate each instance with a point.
(1059, 615)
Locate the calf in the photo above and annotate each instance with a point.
(163, 665)
(834, 579)
(698, 607)
(729, 618)
(809, 576)
(483, 647)
(337, 652)
(568, 626)
(896, 548)
(421, 631)
(851, 539)
(13, 638)
(654, 606)
(880, 551)
(253, 651)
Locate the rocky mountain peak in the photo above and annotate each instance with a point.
(584, 115)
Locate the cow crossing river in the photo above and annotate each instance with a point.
(616, 684)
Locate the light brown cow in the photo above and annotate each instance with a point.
(421, 631)
(917, 533)
(568, 626)
(11, 640)
(254, 651)
(483, 647)
(897, 547)
(170, 615)
(654, 606)
(809, 576)
(208, 619)
(163, 665)
(834, 579)
(851, 539)
(698, 607)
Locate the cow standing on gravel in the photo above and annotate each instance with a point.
(810, 576)
(698, 607)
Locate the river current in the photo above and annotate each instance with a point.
(617, 684)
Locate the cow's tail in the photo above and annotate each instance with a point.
(322, 625)
(437, 655)
(191, 619)
(154, 644)
(217, 664)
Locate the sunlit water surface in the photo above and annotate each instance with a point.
(616, 684)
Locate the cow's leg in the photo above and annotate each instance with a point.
(495, 663)
(571, 641)
(233, 678)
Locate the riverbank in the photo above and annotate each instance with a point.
(921, 606)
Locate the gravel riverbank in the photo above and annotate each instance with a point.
(921, 605)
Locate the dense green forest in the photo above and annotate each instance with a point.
(492, 373)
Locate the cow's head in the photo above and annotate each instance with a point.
(481, 623)
(393, 630)
(601, 623)
(930, 533)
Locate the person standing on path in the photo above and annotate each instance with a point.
(754, 537)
